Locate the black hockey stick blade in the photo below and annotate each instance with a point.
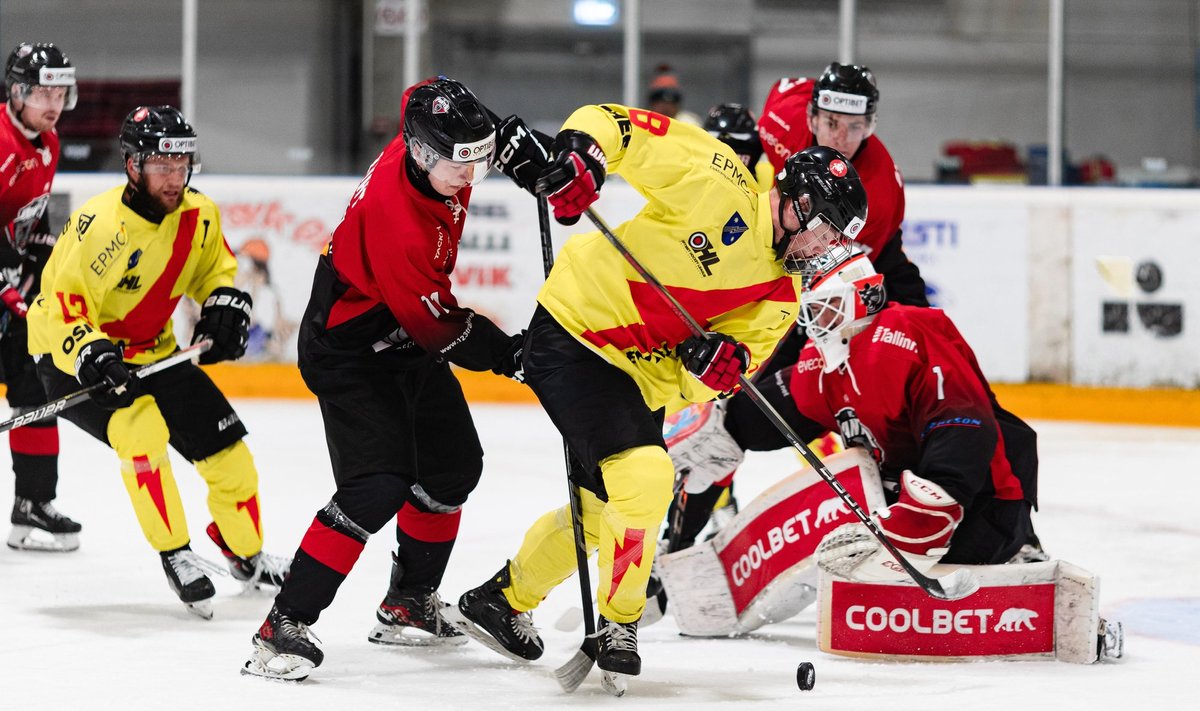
(954, 586)
(572, 674)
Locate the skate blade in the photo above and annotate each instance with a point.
(283, 667)
(614, 683)
(28, 538)
(455, 617)
(405, 636)
(200, 608)
(1112, 640)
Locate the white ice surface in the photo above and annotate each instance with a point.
(100, 629)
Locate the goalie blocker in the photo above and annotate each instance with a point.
(761, 567)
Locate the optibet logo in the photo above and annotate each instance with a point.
(841, 102)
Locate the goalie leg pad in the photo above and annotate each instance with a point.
(701, 449)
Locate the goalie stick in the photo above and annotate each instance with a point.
(952, 586)
(51, 409)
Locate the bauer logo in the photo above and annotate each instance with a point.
(893, 619)
(841, 102)
(177, 144)
(784, 535)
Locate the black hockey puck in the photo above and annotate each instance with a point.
(806, 676)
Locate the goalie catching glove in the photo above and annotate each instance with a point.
(715, 359)
(100, 363)
(919, 524)
(225, 320)
(573, 181)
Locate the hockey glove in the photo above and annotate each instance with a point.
(572, 182)
(922, 519)
(523, 154)
(715, 359)
(11, 299)
(100, 363)
(510, 364)
(225, 319)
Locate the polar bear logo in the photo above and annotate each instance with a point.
(830, 509)
(1014, 618)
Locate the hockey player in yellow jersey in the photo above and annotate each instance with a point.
(608, 359)
(121, 264)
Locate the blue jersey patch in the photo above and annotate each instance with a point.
(733, 229)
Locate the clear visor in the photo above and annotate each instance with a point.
(43, 98)
(449, 171)
(165, 164)
(815, 248)
(848, 127)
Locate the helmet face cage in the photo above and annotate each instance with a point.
(150, 131)
(839, 303)
(846, 89)
(734, 125)
(836, 208)
(448, 131)
(43, 76)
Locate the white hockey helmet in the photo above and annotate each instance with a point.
(838, 304)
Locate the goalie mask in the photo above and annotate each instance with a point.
(840, 303)
(823, 189)
(43, 76)
(449, 133)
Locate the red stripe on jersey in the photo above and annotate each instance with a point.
(1005, 482)
(428, 527)
(37, 441)
(141, 326)
(330, 548)
(352, 304)
(660, 324)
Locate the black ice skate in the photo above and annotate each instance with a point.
(617, 655)
(1031, 552)
(484, 613)
(187, 576)
(38, 526)
(414, 620)
(256, 571)
(282, 650)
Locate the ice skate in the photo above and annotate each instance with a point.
(484, 614)
(617, 655)
(38, 526)
(282, 650)
(187, 576)
(1110, 643)
(1031, 552)
(260, 569)
(414, 620)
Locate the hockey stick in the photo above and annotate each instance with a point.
(572, 674)
(953, 586)
(80, 396)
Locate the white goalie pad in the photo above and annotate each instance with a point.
(700, 446)
(761, 568)
(1047, 610)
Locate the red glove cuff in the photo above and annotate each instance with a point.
(724, 367)
(13, 301)
(924, 517)
(576, 196)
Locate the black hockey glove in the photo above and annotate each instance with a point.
(100, 363)
(715, 359)
(573, 181)
(522, 153)
(511, 364)
(225, 318)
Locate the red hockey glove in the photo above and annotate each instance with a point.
(923, 518)
(715, 359)
(572, 182)
(12, 301)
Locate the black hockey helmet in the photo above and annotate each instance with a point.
(846, 89)
(734, 125)
(158, 130)
(40, 64)
(834, 197)
(444, 121)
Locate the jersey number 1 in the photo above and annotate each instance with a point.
(937, 370)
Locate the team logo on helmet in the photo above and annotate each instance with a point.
(838, 168)
(141, 114)
(440, 105)
(872, 295)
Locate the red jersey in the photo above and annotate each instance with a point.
(912, 393)
(783, 128)
(26, 174)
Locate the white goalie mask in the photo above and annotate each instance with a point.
(838, 304)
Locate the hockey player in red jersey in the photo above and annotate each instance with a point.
(959, 470)
(381, 330)
(39, 83)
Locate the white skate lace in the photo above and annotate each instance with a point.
(522, 624)
(270, 568)
(292, 628)
(190, 567)
(623, 637)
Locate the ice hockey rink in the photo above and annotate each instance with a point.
(100, 629)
